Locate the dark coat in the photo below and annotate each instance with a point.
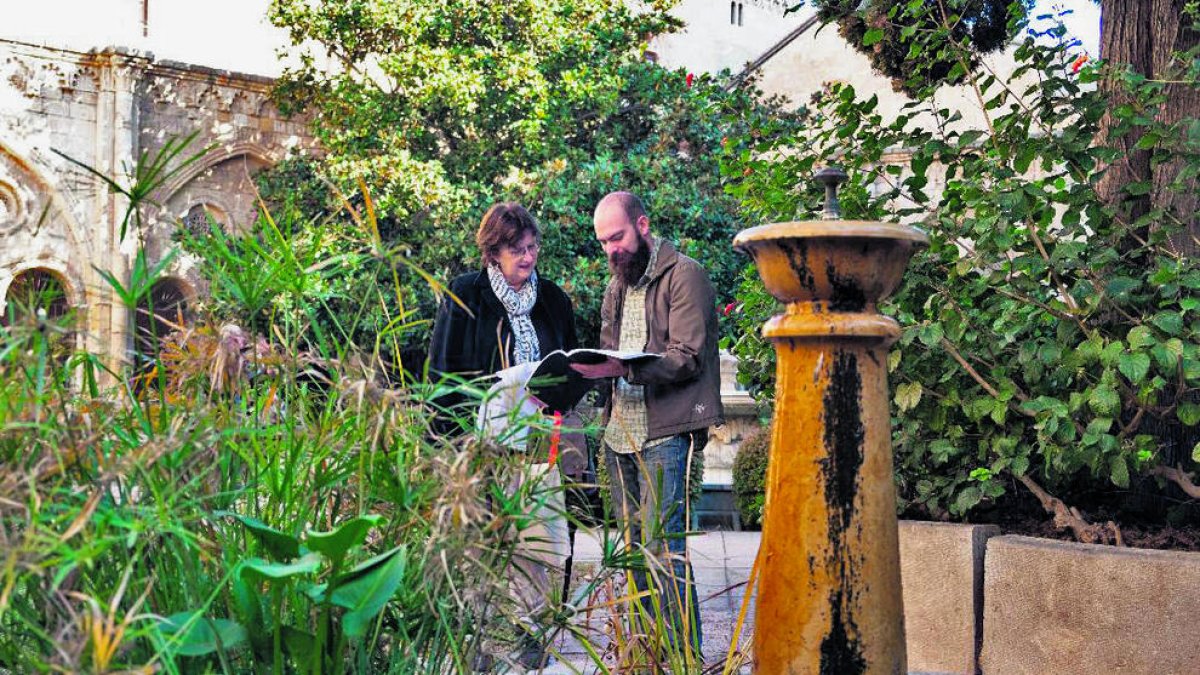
(470, 345)
(683, 389)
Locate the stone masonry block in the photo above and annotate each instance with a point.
(1060, 607)
(941, 569)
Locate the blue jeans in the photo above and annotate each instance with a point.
(649, 491)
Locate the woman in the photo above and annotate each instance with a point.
(512, 317)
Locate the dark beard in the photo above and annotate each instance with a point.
(629, 269)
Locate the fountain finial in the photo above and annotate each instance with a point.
(831, 177)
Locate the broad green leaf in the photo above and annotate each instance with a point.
(1168, 353)
(872, 36)
(1196, 453)
(1119, 471)
(967, 499)
(999, 412)
(908, 395)
(1111, 353)
(203, 635)
(1019, 466)
(1089, 350)
(1140, 336)
(301, 645)
(336, 543)
(1188, 413)
(1120, 286)
(1170, 322)
(248, 602)
(930, 335)
(307, 564)
(1134, 366)
(279, 545)
(366, 589)
(1105, 401)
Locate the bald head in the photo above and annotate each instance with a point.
(623, 231)
(625, 203)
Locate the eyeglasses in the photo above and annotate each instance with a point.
(520, 252)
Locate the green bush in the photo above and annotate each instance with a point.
(550, 104)
(1051, 332)
(750, 476)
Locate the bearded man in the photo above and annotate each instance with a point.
(658, 414)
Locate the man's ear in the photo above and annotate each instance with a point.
(643, 225)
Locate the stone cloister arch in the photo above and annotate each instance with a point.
(41, 246)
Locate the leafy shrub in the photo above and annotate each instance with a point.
(554, 108)
(750, 476)
(1050, 332)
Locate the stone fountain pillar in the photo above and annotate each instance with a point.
(829, 580)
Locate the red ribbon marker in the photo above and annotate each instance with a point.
(555, 437)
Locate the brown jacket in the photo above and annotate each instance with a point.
(683, 389)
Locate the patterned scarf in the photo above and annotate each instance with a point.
(518, 304)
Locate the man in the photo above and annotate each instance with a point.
(659, 301)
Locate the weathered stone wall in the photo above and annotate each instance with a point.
(941, 569)
(1061, 607)
(104, 109)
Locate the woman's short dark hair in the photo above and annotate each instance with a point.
(505, 224)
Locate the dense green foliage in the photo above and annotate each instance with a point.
(444, 108)
(264, 499)
(750, 476)
(1049, 338)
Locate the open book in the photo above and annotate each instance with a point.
(557, 385)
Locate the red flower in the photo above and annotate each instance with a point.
(1078, 62)
(729, 308)
(689, 79)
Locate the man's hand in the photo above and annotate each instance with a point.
(610, 368)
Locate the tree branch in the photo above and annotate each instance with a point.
(1179, 477)
(1069, 518)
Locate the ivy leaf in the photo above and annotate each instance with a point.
(873, 36)
(1188, 413)
(1119, 471)
(1134, 366)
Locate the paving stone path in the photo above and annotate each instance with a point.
(721, 562)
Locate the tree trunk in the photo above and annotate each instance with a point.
(1146, 35)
